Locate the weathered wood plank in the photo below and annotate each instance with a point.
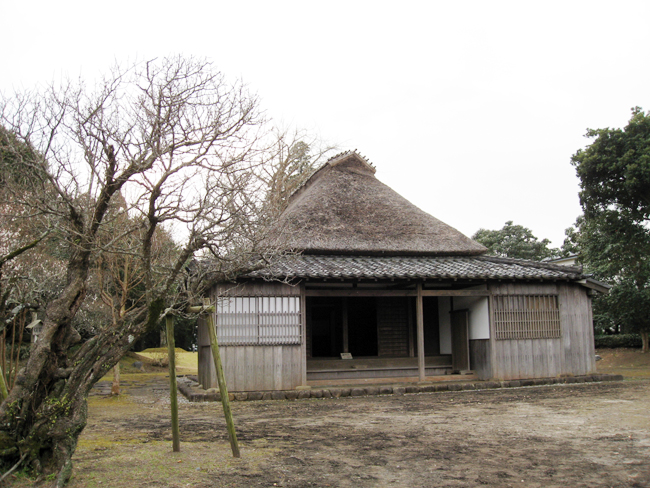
(304, 349)
(249, 368)
(460, 340)
(392, 327)
(480, 358)
(253, 289)
(395, 293)
(419, 319)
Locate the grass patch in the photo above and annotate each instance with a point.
(186, 361)
(631, 363)
(154, 464)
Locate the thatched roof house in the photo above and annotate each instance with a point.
(377, 279)
(344, 209)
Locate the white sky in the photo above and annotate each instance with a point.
(469, 109)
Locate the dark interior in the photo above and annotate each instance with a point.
(325, 326)
(362, 326)
(431, 326)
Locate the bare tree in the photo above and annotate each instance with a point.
(180, 143)
(294, 157)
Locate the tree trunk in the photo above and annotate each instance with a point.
(46, 410)
(644, 341)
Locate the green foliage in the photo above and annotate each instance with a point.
(618, 340)
(613, 236)
(614, 170)
(515, 241)
(293, 165)
(296, 158)
(185, 335)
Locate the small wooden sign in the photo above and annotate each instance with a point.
(346, 355)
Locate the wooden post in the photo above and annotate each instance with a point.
(303, 326)
(3, 387)
(115, 386)
(346, 344)
(171, 352)
(221, 380)
(419, 317)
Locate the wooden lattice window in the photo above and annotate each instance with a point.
(245, 321)
(526, 316)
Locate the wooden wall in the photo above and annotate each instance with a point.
(258, 367)
(578, 335)
(480, 361)
(253, 368)
(272, 367)
(570, 354)
(255, 289)
(392, 327)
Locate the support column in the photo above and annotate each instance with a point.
(409, 308)
(173, 389)
(346, 345)
(419, 317)
(303, 325)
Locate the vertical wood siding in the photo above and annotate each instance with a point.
(479, 353)
(575, 308)
(253, 368)
(570, 354)
(392, 327)
(263, 366)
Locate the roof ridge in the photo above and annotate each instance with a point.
(532, 264)
(412, 267)
(350, 152)
(330, 163)
(344, 208)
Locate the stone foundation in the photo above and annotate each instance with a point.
(193, 393)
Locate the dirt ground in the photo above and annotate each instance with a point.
(578, 435)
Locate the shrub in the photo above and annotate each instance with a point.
(160, 356)
(618, 340)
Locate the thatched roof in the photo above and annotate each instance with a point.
(344, 209)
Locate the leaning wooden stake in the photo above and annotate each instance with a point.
(115, 386)
(223, 389)
(171, 352)
(3, 387)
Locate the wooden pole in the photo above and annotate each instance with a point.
(419, 317)
(171, 352)
(221, 380)
(115, 386)
(3, 387)
(346, 344)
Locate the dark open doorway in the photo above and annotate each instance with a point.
(326, 317)
(325, 323)
(362, 326)
(431, 326)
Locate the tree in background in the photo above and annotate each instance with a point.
(614, 234)
(29, 274)
(515, 241)
(181, 144)
(294, 158)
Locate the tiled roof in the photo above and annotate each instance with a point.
(413, 267)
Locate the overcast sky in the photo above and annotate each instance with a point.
(469, 109)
